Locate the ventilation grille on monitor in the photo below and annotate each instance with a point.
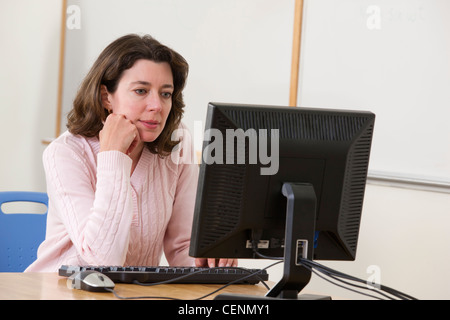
(299, 125)
(354, 188)
(224, 203)
(225, 197)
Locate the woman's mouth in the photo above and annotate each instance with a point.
(150, 124)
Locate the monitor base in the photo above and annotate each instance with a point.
(229, 296)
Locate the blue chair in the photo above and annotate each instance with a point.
(21, 233)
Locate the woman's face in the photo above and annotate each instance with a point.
(144, 96)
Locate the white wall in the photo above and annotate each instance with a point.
(29, 33)
(404, 232)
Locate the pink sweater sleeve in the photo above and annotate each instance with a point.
(96, 209)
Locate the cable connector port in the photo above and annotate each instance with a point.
(302, 251)
(276, 243)
(262, 244)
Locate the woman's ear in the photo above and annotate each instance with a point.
(105, 98)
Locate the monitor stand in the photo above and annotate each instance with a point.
(298, 243)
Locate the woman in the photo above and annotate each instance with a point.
(116, 195)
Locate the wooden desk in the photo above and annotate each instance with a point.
(50, 286)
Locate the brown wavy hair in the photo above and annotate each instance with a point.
(88, 113)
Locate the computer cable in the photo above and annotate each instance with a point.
(313, 266)
(337, 275)
(320, 276)
(334, 274)
(138, 297)
(345, 284)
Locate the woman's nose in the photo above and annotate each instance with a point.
(154, 103)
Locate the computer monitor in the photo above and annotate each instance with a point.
(281, 182)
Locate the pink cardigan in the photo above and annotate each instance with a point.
(99, 215)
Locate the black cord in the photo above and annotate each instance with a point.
(268, 257)
(337, 274)
(141, 297)
(333, 274)
(339, 285)
(328, 274)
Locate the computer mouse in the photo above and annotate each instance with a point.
(90, 280)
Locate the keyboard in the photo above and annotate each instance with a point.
(194, 275)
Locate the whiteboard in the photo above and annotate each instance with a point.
(238, 51)
(391, 57)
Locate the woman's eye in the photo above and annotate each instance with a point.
(140, 91)
(166, 94)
